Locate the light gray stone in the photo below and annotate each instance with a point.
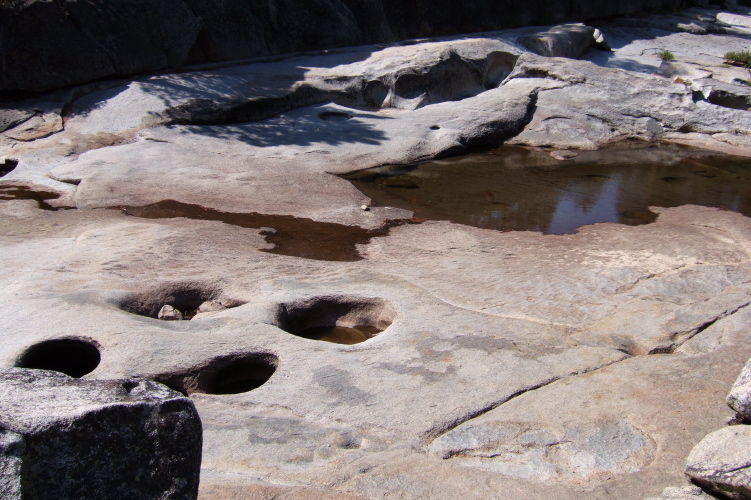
(739, 398)
(721, 462)
(169, 313)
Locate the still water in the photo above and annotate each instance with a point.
(519, 189)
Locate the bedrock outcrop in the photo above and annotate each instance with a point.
(125, 37)
(583, 365)
(62, 438)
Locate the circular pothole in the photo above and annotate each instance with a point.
(341, 320)
(181, 301)
(233, 374)
(334, 116)
(73, 357)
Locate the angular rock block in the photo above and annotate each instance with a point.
(739, 398)
(64, 438)
(722, 462)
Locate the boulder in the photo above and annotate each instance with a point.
(739, 398)
(568, 40)
(722, 462)
(65, 438)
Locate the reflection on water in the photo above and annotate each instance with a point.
(521, 189)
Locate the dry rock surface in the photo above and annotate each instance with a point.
(583, 365)
(133, 437)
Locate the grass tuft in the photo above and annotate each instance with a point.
(742, 58)
(666, 55)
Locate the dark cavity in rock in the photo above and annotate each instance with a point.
(14, 192)
(341, 320)
(293, 236)
(519, 189)
(7, 165)
(185, 297)
(73, 357)
(231, 374)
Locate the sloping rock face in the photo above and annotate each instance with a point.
(123, 37)
(62, 438)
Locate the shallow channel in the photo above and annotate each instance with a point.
(521, 189)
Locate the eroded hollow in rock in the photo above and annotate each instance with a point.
(7, 165)
(73, 357)
(231, 374)
(187, 298)
(341, 320)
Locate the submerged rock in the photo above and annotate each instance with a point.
(84, 439)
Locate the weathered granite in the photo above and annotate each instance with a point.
(634, 334)
(739, 398)
(721, 462)
(62, 438)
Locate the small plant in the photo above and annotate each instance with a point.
(742, 58)
(666, 55)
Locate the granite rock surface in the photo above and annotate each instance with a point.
(572, 366)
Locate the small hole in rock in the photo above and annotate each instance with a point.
(130, 385)
(180, 301)
(72, 357)
(334, 116)
(435, 127)
(341, 320)
(231, 374)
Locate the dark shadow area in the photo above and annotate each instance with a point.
(73, 357)
(230, 374)
(516, 189)
(341, 320)
(294, 236)
(300, 131)
(7, 166)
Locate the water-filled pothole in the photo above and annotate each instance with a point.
(73, 357)
(177, 301)
(7, 165)
(294, 236)
(523, 189)
(232, 374)
(339, 319)
(17, 192)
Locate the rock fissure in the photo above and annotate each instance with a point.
(436, 432)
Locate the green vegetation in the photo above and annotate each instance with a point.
(743, 58)
(666, 55)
